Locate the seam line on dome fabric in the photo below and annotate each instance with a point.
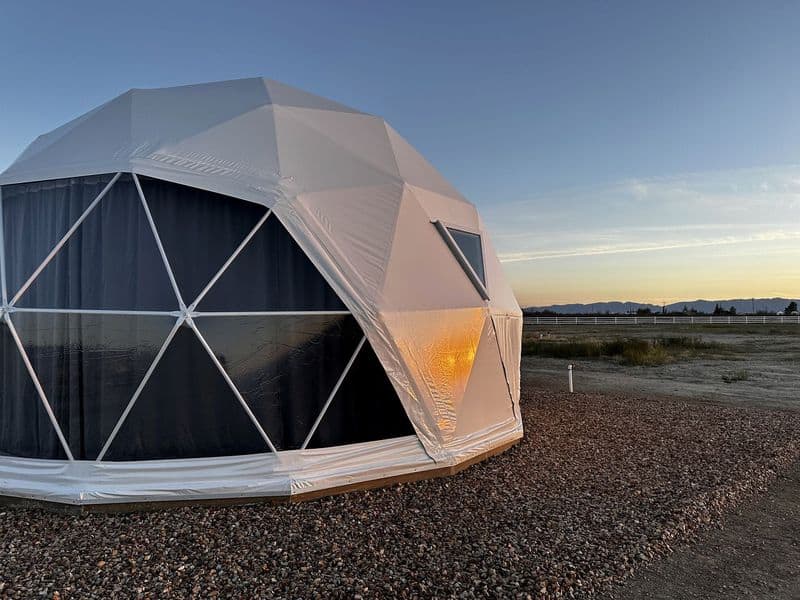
(332, 395)
(230, 260)
(64, 239)
(37, 384)
(157, 237)
(232, 385)
(505, 370)
(140, 388)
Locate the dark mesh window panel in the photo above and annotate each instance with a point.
(37, 215)
(110, 262)
(284, 366)
(25, 428)
(89, 367)
(470, 246)
(199, 230)
(186, 410)
(366, 408)
(271, 274)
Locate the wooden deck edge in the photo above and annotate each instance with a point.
(125, 507)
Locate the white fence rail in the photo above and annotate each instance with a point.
(664, 320)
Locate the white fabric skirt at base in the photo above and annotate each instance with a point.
(250, 476)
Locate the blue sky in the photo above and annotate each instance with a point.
(643, 151)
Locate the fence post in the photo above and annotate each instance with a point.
(569, 374)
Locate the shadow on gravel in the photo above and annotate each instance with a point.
(600, 485)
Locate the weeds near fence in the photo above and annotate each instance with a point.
(631, 351)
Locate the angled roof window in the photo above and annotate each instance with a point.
(468, 250)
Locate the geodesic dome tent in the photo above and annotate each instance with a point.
(239, 289)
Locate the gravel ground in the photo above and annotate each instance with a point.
(600, 485)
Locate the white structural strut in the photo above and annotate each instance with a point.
(38, 386)
(139, 389)
(157, 237)
(230, 260)
(64, 239)
(3, 252)
(232, 385)
(333, 393)
(270, 313)
(97, 311)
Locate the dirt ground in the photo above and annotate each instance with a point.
(755, 551)
(770, 355)
(754, 554)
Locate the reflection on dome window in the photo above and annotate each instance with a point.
(468, 250)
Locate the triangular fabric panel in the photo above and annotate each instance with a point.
(486, 400)
(439, 348)
(51, 137)
(459, 213)
(366, 407)
(89, 366)
(165, 116)
(285, 366)
(105, 133)
(423, 274)
(186, 410)
(509, 340)
(25, 428)
(311, 161)
(284, 95)
(110, 262)
(416, 170)
(254, 155)
(37, 215)
(271, 274)
(199, 230)
(359, 226)
(363, 136)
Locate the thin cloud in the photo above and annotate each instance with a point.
(764, 237)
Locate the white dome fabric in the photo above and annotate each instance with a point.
(374, 218)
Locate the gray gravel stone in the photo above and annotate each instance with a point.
(599, 486)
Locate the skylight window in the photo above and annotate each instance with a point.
(468, 249)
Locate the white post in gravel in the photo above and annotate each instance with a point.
(569, 373)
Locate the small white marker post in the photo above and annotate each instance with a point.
(569, 372)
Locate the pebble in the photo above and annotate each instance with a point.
(600, 485)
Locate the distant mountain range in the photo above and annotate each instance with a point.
(742, 305)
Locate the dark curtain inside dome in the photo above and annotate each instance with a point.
(186, 410)
(25, 428)
(271, 274)
(89, 364)
(284, 366)
(366, 407)
(37, 215)
(199, 230)
(110, 262)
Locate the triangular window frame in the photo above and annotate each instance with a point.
(444, 230)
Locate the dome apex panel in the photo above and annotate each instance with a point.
(416, 170)
(313, 161)
(169, 115)
(281, 94)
